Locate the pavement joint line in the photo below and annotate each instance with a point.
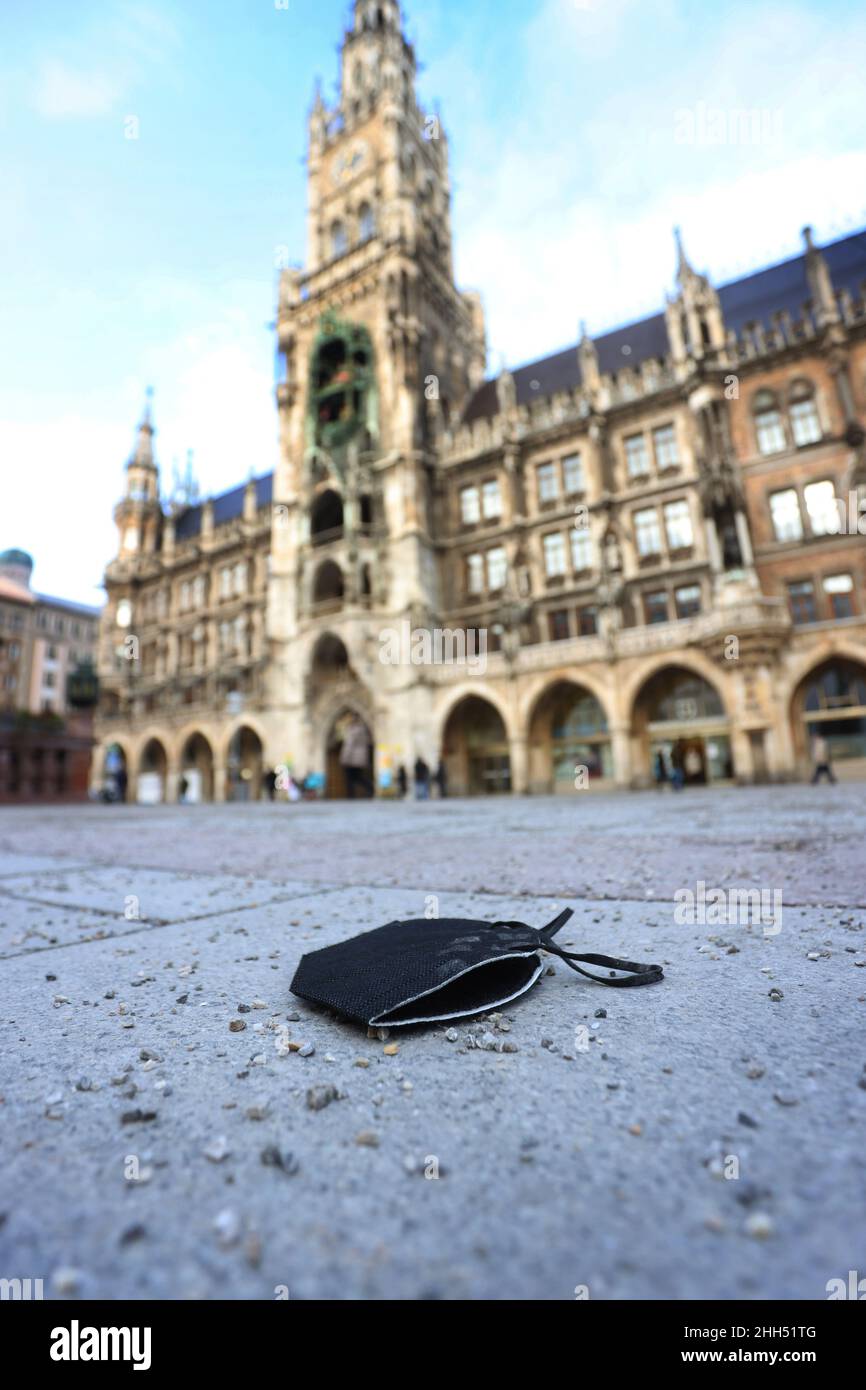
(312, 889)
(147, 923)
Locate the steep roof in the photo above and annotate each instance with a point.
(750, 299)
(226, 507)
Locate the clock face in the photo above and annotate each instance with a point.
(349, 163)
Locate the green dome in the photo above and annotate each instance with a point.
(16, 557)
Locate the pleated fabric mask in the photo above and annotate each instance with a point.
(424, 970)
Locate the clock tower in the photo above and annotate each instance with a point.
(381, 350)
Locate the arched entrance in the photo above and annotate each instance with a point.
(349, 737)
(196, 770)
(568, 732)
(244, 765)
(679, 717)
(115, 774)
(830, 703)
(475, 749)
(152, 769)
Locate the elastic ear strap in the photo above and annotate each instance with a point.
(553, 927)
(639, 973)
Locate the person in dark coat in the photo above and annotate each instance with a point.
(402, 781)
(422, 780)
(660, 770)
(440, 777)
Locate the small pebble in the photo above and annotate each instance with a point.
(66, 1280)
(758, 1225)
(237, 1025)
(217, 1149)
(320, 1096)
(367, 1139)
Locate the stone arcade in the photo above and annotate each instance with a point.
(638, 524)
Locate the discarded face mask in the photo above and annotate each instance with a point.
(424, 970)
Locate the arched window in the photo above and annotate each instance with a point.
(803, 410)
(328, 584)
(366, 224)
(338, 239)
(326, 518)
(769, 430)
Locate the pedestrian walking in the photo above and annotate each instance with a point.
(440, 777)
(355, 759)
(402, 781)
(422, 780)
(678, 772)
(821, 759)
(660, 770)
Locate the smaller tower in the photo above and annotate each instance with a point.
(138, 514)
(694, 315)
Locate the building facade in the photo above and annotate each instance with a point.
(45, 742)
(617, 558)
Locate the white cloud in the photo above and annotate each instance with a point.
(93, 70)
(564, 207)
(61, 90)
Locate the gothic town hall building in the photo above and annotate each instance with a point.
(651, 542)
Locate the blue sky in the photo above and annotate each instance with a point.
(580, 132)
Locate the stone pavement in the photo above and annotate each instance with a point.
(701, 1138)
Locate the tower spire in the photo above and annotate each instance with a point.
(143, 453)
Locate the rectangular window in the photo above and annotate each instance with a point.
(805, 424)
(647, 533)
(470, 512)
(491, 501)
(655, 607)
(554, 555)
(225, 582)
(665, 447)
(785, 513)
(497, 568)
(548, 483)
(769, 431)
(636, 458)
(558, 625)
(820, 499)
(678, 524)
(802, 599)
(839, 589)
(688, 600)
(475, 574)
(572, 473)
(581, 549)
(587, 622)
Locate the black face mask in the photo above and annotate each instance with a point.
(425, 969)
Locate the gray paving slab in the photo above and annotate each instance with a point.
(132, 893)
(27, 926)
(700, 1139)
(32, 864)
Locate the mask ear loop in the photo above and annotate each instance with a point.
(639, 973)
